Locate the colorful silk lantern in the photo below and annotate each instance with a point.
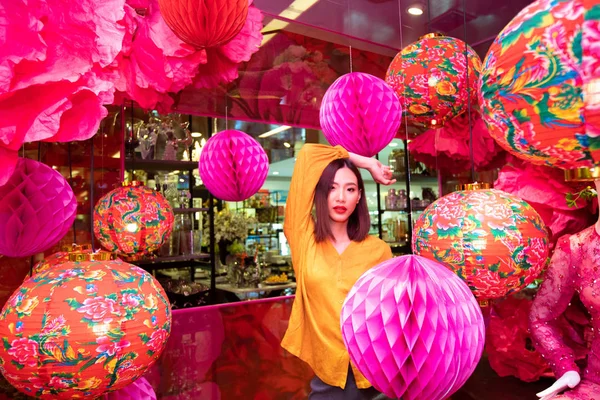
(233, 165)
(540, 85)
(361, 113)
(138, 390)
(133, 220)
(413, 329)
(205, 23)
(435, 80)
(37, 208)
(494, 241)
(83, 328)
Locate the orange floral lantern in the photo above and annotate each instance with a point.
(540, 87)
(434, 80)
(83, 328)
(133, 220)
(493, 240)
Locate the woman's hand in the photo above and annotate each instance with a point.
(570, 379)
(381, 173)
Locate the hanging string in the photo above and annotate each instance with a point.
(92, 193)
(71, 183)
(39, 151)
(468, 94)
(350, 39)
(226, 115)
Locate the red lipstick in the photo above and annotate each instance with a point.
(340, 209)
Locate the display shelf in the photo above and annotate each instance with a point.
(189, 210)
(160, 165)
(172, 259)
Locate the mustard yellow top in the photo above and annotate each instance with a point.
(323, 276)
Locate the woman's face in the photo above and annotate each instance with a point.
(343, 195)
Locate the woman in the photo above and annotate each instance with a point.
(329, 254)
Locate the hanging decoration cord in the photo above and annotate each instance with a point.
(71, 183)
(92, 193)
(350, 39)
(466, 53)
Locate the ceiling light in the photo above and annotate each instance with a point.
(196, 134)
(393, 144)
(275, 172)
(286, 144)
(415, 9)
(275, 131)
(291, 13)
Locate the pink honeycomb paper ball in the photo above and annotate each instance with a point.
(37, 208)
(233, 165)
(361, 113)
(138, 390)
(413, 329)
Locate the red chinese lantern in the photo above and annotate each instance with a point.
(493, 240)
(133, 220)
(83, 328)
(539, 88)
(205, 23)
(431, 80)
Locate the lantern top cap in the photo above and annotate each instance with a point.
(432, 35)
(76, 247)
(132, 183)
(100, 255)
(474, 186)
(583, 174)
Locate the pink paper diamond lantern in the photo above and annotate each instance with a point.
(361, 113)
(138, 390)
(37, 208)
(413, 329)
(233, 165)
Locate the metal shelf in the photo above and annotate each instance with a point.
(160, 165)
(173, 259)
(189, 210)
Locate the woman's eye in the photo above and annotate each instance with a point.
(351, 190)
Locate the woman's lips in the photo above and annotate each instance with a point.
(340, 210)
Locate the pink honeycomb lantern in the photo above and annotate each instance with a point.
(233, 165)
(138, 390)
(413, 329)
(361, 113)
(37, 208)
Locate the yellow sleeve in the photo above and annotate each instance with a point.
(310, 164)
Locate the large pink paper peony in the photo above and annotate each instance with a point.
(545, 189)
(138, 390)
(53, 54)
(448, 148)
(413, 329)
(233, 165)
(223, 61)
(361, 113)
(37, 208)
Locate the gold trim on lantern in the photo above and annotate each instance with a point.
(431, 35)
(76, 248)
(583, 174)
(484, 303)
(132, 184)
(474, 186)
(100, 255)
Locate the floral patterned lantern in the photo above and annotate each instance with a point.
(58, 258)
(433, 79)
(133, 220)
(83, 328)
(493, 240)
(540, 84)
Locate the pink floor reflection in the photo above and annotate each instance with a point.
(230, 351)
